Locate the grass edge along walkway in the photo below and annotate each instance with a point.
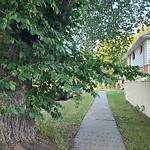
(63, 131)
(133, 125)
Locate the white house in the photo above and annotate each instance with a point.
(139, 53)
(138, 92)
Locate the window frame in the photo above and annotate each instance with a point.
(141, 49)
(133, 55)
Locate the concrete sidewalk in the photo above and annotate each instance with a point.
(98, 130)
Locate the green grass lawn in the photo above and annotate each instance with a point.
(133, 125)
(63, 131)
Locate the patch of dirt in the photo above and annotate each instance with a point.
(39, 144)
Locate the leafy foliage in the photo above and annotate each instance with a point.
(41, 42)
(106, 19)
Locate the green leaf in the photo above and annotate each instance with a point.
(27, 75)
(7, 86)
(76, 68)
(3, 110)
(12, 85)
(55, 76)
(21, 54)
(34, 112)
(6, 97)
(21, 68)
(66, 87)
(31, 69)
(3, 23)
(14, 73)
(21, 109)
(21, 77)
(54, 7)
(13, 110)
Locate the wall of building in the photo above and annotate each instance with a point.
(148, 51)
(138, 94)
(146, 69)
(145, 53)
(129, 60)
(140, 56)
(138, 61)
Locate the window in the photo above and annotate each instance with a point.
(133, 55)
(141, 49)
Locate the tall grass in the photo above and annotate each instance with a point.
(133, 125)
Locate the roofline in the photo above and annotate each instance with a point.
(137, 43)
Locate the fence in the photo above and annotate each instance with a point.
(138, 94)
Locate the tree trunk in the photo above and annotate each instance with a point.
(16, 129)
(19, 132)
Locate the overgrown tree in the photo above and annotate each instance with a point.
(109, 29)
(109, 18)
(35, 65)
(40, 57)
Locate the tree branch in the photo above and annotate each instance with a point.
(2, 13)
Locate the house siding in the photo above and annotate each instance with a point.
(145, 53)
(138, 61)
(148, 51)
(141, 59)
